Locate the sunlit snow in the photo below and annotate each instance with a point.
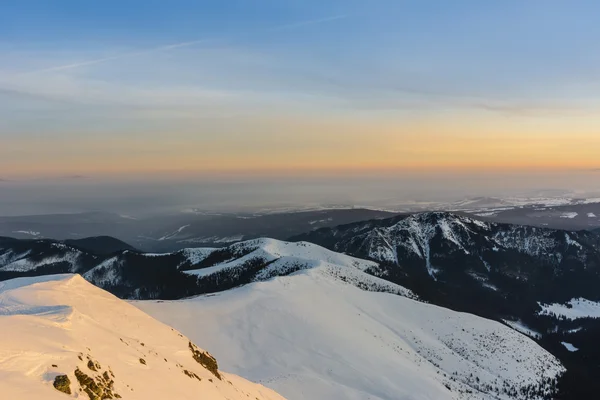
(313, 336)
(57, 325)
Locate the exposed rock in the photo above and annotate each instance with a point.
(99, 388)
(191, 374)
(205, 359)
(94, 365)
(62, 383)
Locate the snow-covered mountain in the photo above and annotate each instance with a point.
(324, 330)
(453, 248)
(62, 337)
(131, 274)
(312, 335)
(500, 272)
(42, 257)
(262, 259)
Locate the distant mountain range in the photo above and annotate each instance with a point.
(172, 232)
(452, 250)
(195, 228)
(552, 213)
(420, 250)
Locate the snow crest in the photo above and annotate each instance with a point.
(62, 326)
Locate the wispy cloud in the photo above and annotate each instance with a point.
(539, 108)
(119, 56)
(173, 46)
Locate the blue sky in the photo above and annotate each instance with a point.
(138, 80)
(494, 50)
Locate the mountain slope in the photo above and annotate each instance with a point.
(187, 272)
(310, 335)
(60, 332)
(42, 257)
(498, 271)
(511, 289)
(262, 259)
(456, 250)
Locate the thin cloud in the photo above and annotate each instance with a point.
(120, 56)
(533, 109)
(177, 46)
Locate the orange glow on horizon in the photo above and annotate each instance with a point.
(465, 143)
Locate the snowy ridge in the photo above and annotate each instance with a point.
(264, 259)
(423, 228)
(10, 256)
(187, 272)
(106, 273)
(22, 262)
(532, 241)
(62, 337)
(435, 236)
(278, 257)
(196, 255)
(311, 335)
(276, 249)
(415, 233)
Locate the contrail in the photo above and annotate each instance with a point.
(118, 57)
(176, 46)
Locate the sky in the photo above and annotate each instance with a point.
(154, 89)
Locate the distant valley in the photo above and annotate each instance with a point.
(196, 228)
(171, 232)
